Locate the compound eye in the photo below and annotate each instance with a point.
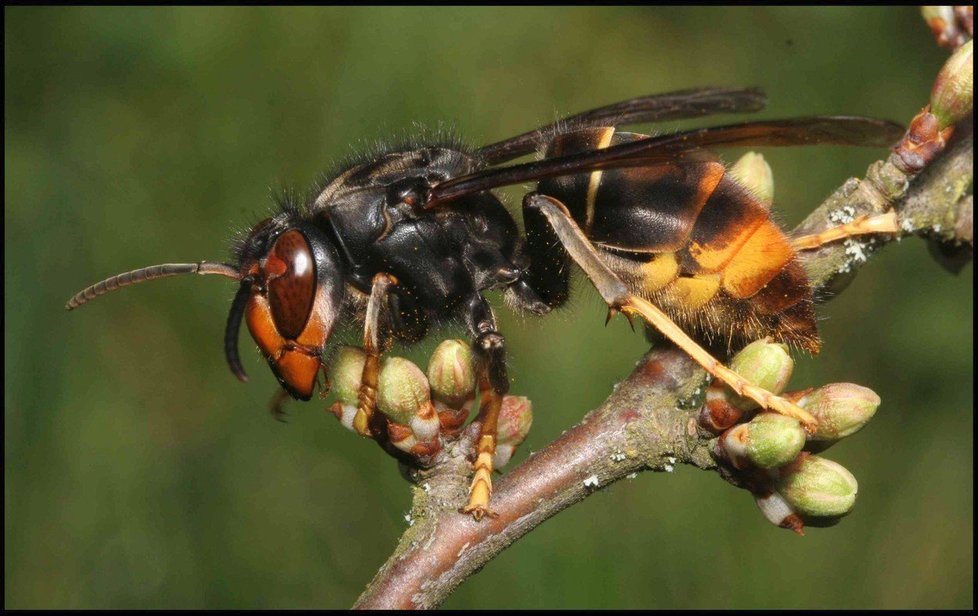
(291, 283)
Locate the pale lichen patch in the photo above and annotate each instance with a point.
(843, 215)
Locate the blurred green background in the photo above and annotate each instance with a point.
(139, 473)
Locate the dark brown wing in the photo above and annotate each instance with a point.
(655, 108)
(833, 130)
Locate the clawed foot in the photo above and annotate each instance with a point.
(478, 511)
(481, 489)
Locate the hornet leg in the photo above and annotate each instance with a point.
(619, 299)
(373, 347)
(861, 225)
(490, 355)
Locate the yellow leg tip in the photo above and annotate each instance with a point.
(478, 506)
(361, 423)
(481, 489)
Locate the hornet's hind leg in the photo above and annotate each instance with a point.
(619, 298)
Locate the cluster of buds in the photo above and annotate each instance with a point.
(422, 411)
(772, 455)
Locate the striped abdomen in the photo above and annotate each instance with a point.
(688, 237)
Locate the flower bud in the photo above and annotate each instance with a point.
(953, 94)
(344, 413)
(404, 397)
(345, 371)
(765, 364)
(717, 413)
(451, 374)
(402, 389)
(769, 440)
(515, 419)
(841, 409)
(753, 172)
(777, 510)
(818, 488)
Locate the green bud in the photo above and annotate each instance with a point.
(841, 409)
(818, 488)
(345, 371)
(451, 374)
(765, 364)
(402, 390)
(753, 172)
(515, 419)
(953, 94)
(769, 440)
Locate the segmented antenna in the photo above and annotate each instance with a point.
(149, 273)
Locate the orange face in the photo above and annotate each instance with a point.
(289, 314)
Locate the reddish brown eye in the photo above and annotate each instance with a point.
(292, 283)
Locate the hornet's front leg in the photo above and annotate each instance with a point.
(618, 297)
(373, 346)
(490, 359)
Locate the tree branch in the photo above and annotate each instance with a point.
(649, 421)
(623, 436)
